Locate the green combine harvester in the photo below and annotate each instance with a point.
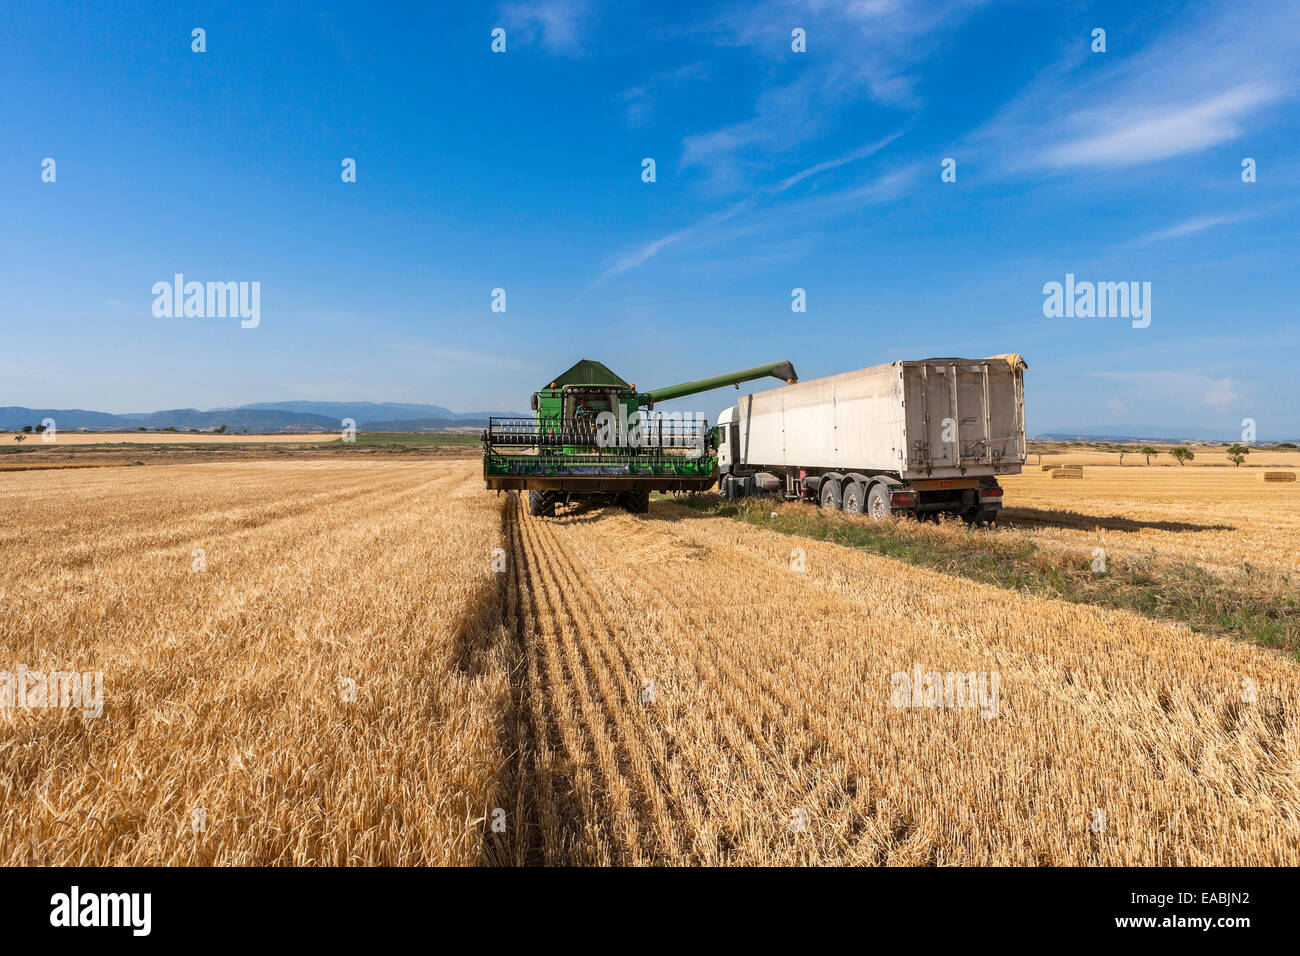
(595, 437)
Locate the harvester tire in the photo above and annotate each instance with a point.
(637, 502)
(541, 504)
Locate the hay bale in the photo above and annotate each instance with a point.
(1068, 471)
(1277, 476)
(1050, 467)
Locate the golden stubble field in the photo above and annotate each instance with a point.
(376, 662)
(1217, 518)
(171, 438)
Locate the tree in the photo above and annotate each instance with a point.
(1149, 452)
(1238, 453)
(20, 438)
(220, 429)
(27, 429)
(1182, 455)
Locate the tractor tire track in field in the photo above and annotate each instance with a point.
(598, 778)
(591, 772)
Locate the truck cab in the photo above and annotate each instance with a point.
(727, 441)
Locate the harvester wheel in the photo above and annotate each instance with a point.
(541, 504)
(637, 502)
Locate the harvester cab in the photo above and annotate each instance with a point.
(595, 436)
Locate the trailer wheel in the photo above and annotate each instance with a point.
(830, 495)
(878, 502)
(980, 517)
(541, 504)
(853, 499)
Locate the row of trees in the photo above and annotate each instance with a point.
(1236, 453)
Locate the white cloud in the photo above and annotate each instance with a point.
(639, 101)
(1146, 134)
(1178, 387)
(1186, 228)
(1116, 407)
(707, 232)
(641, 255)
(866, 50)
(1220, 394)
(1210, 77)
(862, 153)
(556, 24)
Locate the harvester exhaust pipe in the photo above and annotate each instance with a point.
(780, 370)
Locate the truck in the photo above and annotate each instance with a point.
(596, 437)
(910, 438)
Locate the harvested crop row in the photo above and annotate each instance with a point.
(1116, 740)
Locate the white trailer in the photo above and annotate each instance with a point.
(916, 438)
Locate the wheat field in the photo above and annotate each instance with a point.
(63, 438)
(380, 663)
(1216, 518)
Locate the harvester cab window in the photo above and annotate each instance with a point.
(586, 404)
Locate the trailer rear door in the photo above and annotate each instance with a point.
(963, 416)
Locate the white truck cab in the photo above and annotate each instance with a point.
(726, 440)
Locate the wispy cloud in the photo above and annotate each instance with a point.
(1188, 227)
(864, 51)
(869, 150)
(643, 254)
(1218, 76)
(555, 24)
(1181, 387)
(762, 213)
(1145, 134)
(639, 101)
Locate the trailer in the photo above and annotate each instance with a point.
(916, 438)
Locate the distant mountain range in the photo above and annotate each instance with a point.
(259, 417)
(1127, 433)
(266, 417)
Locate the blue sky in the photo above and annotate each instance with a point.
(775, 170)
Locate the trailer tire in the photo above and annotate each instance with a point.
(541, 504)
(854, 498)
(878, 502)
(981, 517)
(830, 497)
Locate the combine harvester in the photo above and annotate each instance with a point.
(904, 439)
(595, 437)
